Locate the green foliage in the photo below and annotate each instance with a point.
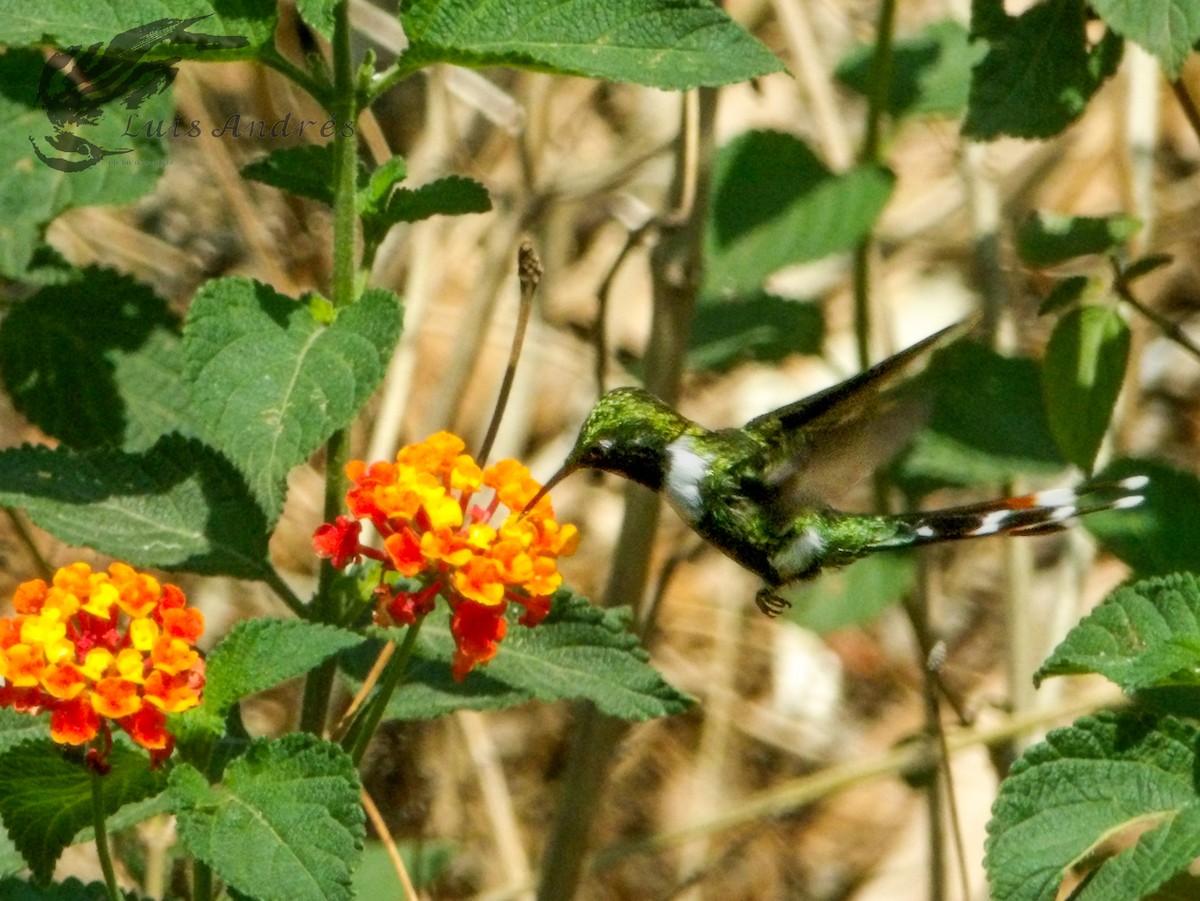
(1168, 29)
(930, 71)
(1046, 239)
(1163, 534)
(67, 890)
(852, 596)
(762, 327)
(46, 797)
(270, 383)
(1082, 373)
(1038, 73)
(179, 505)
(578, 651)
(669, 44)
(284, 823)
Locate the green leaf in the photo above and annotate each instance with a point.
(179, 505)
(32, 192)
(930, 72)
(578, 651)
(1039, 72)
(1167, 29)
(774, 203)
(988, 423)
(1069, 795)
(766, 329)
(45, 798)
(68, 890)
(16, 728)
(377, 187)
(449, 196)
(318, 14)
(669, 44)
(1064, 293)
(1145, 265)
(1144, 635)
(1162, 535)
(285, 822)
(95, 362)
(1081, 378)
(260, 653)
(1046, 239)
(852, 596)
(306, 170)
(270, 383)
(228, 29)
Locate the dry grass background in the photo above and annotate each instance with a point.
(786, 770)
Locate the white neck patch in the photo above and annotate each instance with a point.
(686, 468)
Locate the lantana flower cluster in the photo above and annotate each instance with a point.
(432, 533)
(96, 648)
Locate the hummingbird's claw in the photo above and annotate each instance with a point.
(769, 602)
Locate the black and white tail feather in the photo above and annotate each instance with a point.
(1029, 514)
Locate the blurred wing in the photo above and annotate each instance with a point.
(834, 438)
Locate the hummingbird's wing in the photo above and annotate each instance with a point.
(823, 444)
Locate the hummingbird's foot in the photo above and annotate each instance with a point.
(769, 602)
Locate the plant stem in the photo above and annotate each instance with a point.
(358, 736)
(106, 864)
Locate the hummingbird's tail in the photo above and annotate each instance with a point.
(1029, 514)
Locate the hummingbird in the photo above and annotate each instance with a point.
(754, 492)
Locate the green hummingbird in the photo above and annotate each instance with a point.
(753, 492)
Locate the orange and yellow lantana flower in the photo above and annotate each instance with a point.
(432, 533)
(100, 647)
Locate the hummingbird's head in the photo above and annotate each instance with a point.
(626, 433)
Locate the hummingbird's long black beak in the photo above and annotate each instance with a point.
(566, 469)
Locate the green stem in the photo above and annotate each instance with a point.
(317, 88)
(106, 864)
(284, 592)
(359, 734)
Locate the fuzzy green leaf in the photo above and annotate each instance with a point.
(260, 653)
(1081, 378)
(68, 890)
(1046, 239)
(224, 30)
(774, 203)
(46, 798)
(1162, 534)
(1071, 794)
(95, 362)
(577, 652)
(270, 383)
(179, 505)
(669, 44)
(1144, 635)
(32, 192)
(319, 15)
(285, 822)
(1039, 72)
(1167, 29)
(763, 328)
(930, 72)
(306, 170)
(449, 196)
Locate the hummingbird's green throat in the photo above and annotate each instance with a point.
(754, 492)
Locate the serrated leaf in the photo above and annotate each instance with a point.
(1144, 635)
(1065, 292)
(379, 184)
(1162, 534)
(578, 652)
(1046, 239)
(1038, 73)
(32, 193)
(95, 362)
(179, 505)
(71, 889)
(1068, 795)
(260, 653)
(16, 728)
(270, 383)
(45, 799)
(726, 332)
(988, 423)
(226, 30)
(449, 196)
(306, 170)
(669, 44)
(285, 822)
(1166, 29)
(318, 15)
(1082, 373)
(774, 203)
(930, 71)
